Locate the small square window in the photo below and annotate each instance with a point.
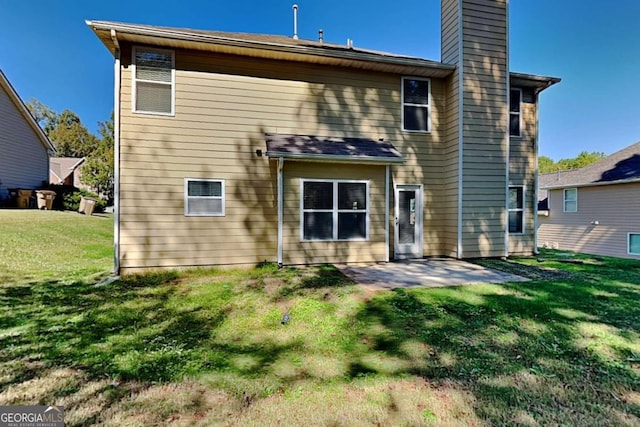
(204, 197)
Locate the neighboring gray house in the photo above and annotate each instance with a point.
(595, 209)
(24, 148)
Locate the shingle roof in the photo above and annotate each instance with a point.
(311, 147)
(622, 166)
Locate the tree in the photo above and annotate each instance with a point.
(71, 138)
(98, 169)
(547, 165)
(45, 116)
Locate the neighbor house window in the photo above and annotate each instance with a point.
(516, 210)
(203, 197)
(515, 112)
(634, 244)
(334, 210)
(153, 81)
(570, 200)
(416, 111)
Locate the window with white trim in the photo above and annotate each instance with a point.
(153, 81)
(633, 246)
(334, 210)
(203, 197)
(416, 110)
(515, 112)
(570, 200)
(516, 209)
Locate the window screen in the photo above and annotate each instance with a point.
(516, 210)
(515, 102)
(204, 197)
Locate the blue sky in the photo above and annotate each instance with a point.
(48, 52)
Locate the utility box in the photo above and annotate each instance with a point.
(45, 199)
(23, 198)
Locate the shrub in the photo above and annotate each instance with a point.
(68, 198)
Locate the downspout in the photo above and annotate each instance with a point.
(508, 139)
(116, 155)
(459, 248)
(386, 211)
(280, 208)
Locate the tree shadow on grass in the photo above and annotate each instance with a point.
(551, 352)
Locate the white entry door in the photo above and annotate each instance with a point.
(408, 221)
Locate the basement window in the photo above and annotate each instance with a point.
(203, 197)
(416, 109)
(153, 81)
(334, 210)
(516, 210)
(634, 244)
(515, 113)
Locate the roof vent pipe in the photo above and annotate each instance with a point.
(320, 35)
(295, 22)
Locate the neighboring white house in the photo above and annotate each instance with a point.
(24, 148)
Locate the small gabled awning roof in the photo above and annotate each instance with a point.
(332, 149)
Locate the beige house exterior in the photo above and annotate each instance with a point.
(24, 148)
(236, 148)
(594, 209)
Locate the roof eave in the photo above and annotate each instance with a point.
(336, 158)
(537, 82)
(591, 184)
(176, 38)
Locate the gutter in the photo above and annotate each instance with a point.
(592, 184)
(336, 158)
(326, 51)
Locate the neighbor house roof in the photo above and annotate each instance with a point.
(22, 108)
(620, 167)
(311, 147)
(285, 48)
(62, 167)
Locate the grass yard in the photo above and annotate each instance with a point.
(207, 347)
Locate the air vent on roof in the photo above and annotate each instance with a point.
(295, 22)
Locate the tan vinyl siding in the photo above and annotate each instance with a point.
(485, 74)
(299, 252)
(223, 107)
(616, 209)
(24, 162)
(522, 168)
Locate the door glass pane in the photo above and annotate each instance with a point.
(318, 195)
(352, 195)
(406, 218)
(318, 226)
(352, 225)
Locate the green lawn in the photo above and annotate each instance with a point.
(207, 346)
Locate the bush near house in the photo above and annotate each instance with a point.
(68, 198)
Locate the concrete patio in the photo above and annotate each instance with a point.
(429, 272)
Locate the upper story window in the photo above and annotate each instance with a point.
(515, 112)
(570, 200)
(416, 109)
(203, 197)
(153, 81)
(633, 247)
(516, 209)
